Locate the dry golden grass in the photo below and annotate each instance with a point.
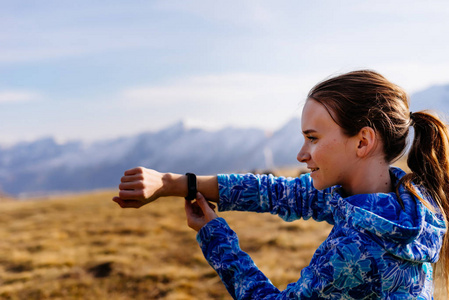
(87, 247)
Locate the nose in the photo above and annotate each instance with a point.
(303, 155)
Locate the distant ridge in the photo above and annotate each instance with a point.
(44, 166)
(434, 98)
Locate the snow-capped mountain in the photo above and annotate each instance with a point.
(45, 166)
(434, 98)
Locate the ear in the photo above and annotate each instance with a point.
(367, 141)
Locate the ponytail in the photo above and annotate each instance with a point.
(428, 160)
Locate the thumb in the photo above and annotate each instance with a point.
(204, 205)
(188, 208)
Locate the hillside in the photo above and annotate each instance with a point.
(86, 247)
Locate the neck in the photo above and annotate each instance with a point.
(370, 177)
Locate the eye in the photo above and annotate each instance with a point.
(311, 139)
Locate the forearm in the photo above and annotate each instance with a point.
(289, 198)
(240, 275)
(176, 185)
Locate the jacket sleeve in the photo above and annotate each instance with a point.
(341, 272)
(290, 198)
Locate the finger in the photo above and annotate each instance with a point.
(188, 207)
(131, 195)
(131, 185)
(193, 209)
(133, 171)
(197, 209)
(193, 219)
(127, 203)
(129, 178)
(207, 210)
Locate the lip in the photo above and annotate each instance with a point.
(313, 169)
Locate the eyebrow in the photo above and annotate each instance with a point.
(309, 131)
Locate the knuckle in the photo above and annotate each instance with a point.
(145, 195)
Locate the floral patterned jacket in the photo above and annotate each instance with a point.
(375, 250)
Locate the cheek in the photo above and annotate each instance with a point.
(329, 155)
(321, 152)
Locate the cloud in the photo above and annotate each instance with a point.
(241, 13)
(232, 88)
(215, 101)
(415, 76)
(12, 96)
(57, 31)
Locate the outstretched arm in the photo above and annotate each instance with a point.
(290, 198)
(140, 186)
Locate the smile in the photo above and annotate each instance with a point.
(314, 169)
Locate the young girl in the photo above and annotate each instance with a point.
(389, 226)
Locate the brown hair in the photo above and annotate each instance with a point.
(365, 98)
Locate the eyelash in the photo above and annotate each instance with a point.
(311, 138)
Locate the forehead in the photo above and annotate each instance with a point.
(316, 117)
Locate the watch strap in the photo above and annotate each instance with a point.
(191, 186)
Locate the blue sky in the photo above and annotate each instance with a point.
(89, 70)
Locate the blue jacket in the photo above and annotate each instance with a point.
(375, 250)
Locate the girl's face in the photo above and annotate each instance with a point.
(329, 154)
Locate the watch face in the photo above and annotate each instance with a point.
(191, 186)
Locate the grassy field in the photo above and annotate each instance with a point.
(86, 247)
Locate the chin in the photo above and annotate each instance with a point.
(321, 186)
(318, 186)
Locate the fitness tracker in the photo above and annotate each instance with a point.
(191, 186)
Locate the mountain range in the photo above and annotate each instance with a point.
(44, 166)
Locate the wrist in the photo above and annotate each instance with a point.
(174, 185)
